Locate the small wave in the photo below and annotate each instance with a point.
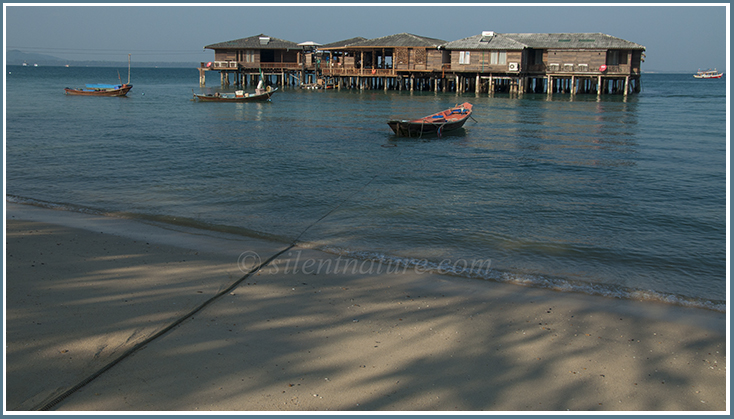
(53, 205)
(475, 269)
(154, 218)
(480, 269)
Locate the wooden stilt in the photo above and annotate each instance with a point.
(550, 85)
(202, 77)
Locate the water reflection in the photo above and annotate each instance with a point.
(564, 132)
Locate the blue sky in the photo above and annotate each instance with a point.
(677, 37)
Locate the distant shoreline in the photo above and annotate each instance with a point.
(108, 64)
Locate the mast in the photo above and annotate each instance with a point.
(128, 68)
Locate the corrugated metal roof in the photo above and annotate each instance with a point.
(510, 41)
(572, 40)
(255, 42)
(400, 40)
(495, 42)
(343, 43)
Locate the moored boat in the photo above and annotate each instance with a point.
(437, 123)
(237, 96)
(708, 74)
(100, 90)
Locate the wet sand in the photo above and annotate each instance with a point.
(86, 296)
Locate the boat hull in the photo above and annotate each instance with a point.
(233, 98)
(436, 124)
(403, 128)
(708, 74)
(121, 91)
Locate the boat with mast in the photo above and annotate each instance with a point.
(101, 89)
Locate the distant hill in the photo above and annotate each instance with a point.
(666, 72)
(17, 57)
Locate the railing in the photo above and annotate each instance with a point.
(229, 65)
(338, 70)
(355, 71)
(224, 64)
(551, 68)
(565, 68)
(219, 64)
(274, 66)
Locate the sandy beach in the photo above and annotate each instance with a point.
(105, 314)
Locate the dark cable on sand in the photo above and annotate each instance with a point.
(58, 399)
(69, 392)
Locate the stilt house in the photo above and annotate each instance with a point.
(571, 62)
(247, 56)
(389, 55)
(489, 62)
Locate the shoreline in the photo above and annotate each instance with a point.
(484, 273)
(301, 339)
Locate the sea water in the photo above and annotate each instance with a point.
(610, 195)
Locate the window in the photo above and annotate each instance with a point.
(498, 57)
(464, 57)
(612, 57)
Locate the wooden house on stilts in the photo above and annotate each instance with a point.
(486, 63)
(242, 59)
(563, 62)
(391, 62)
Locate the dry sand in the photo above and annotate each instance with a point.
(81, 290)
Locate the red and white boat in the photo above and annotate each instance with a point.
(708, 74)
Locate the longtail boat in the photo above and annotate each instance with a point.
(437, 123)
(237, 96)
(100, 89)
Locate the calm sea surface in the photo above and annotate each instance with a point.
(612, 196)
